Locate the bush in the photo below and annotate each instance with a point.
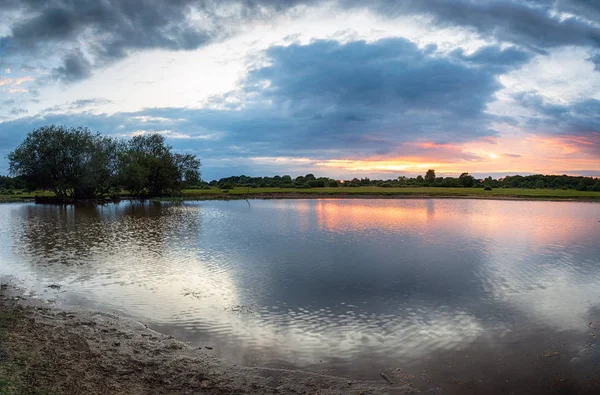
(487, 188)
(316, 184)
(303, 186)
(226, 185)
(333, 184)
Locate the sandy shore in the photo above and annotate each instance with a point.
(44, 349)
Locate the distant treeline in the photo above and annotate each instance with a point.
(76, 163)
(465, 180)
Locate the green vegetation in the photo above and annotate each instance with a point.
(399, 192)
(75, 163)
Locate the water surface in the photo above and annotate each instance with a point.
(460, 294)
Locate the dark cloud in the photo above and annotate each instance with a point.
(579, 118)
(113, 28)
(75, 67)
(54, 23)
(493, 57)
(389, 90)
(596, 60)
(527, 23)
(512, 155)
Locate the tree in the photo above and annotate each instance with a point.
(430, 176)
(71, 162)
(466, 180)
(300, 180)
(76, 163)
(148, 166)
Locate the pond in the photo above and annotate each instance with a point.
(442, 292)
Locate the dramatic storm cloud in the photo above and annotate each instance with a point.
(338, 88)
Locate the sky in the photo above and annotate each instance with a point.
(343, 88)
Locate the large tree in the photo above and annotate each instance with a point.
(466, 180)
(430, 176)
(148, 166)
(71, 162)
(76, 163)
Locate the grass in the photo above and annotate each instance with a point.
(19, 196)
(240, 192)
(403, 192)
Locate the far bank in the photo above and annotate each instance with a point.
(339, 193)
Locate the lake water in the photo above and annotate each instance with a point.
(476, 295)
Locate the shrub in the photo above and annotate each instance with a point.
(303, 186)
(487, 188)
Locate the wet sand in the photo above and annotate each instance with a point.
(44, 349)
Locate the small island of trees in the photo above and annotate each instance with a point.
(76, 163)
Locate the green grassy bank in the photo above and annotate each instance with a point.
(366, 192)
(400, 192)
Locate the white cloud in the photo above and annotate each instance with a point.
(562, 77)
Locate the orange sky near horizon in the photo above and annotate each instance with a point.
(512, 154)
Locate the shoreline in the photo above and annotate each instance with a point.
(44, 348)
(307, 195)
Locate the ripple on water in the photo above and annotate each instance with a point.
(304, 281)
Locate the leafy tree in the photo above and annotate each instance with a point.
(466, 180)
(148, 166)
(430, 176)
(76, 163)
(71, 162)
(300, 180)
